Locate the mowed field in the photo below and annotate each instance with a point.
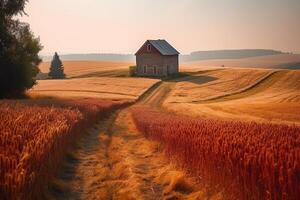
(208, 91)
(281, 61)
(79, 69)
(92, 79)
(96, 87)
(213, 84)
(239, 94)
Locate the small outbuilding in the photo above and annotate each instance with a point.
(157, 58)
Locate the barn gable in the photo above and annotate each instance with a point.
(144, 49)
(161, 46)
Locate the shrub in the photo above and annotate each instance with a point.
(132, 71)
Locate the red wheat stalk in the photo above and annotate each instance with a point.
(248, 160)
(34, 138)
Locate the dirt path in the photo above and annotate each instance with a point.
(115, 161)
(156, 97)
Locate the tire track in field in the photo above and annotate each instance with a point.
(157, 96)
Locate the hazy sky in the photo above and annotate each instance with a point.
(121, 26)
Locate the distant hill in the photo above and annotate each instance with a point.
(93, 57)
(279, 61)
(292, 65)
(194, 56)
(228, 54)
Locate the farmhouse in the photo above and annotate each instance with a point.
(157, 58)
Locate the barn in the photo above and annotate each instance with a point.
(157, 58)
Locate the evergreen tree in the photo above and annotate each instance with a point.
(18, 50)
(56, 68)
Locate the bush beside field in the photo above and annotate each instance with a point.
(132, 71)
(35, 136)
(244, 160)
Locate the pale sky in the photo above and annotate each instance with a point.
(121, 26)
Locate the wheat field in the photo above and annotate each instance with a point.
(216, 83)
(217, 101)
(36, 135)
(244, 160)
(243, 94)
(271, 61)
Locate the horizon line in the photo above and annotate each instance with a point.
(115, 53)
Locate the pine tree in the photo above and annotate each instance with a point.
(56, 68)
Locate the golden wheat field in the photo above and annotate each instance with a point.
(216, 83)
(97, 87)
(144, 152)
(89, 68)
(135, 100)
(244, 94)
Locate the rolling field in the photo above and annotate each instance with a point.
(276, 99)
(209, 85)
(80, 69)
(244, 94)
(213, 133)
(281, 61)
(96, 87)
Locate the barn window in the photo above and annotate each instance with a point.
(149, 47)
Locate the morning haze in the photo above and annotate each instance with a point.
(150, 99)
(121, 26)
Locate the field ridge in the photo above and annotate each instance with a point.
(89, 91)
(243, 90)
